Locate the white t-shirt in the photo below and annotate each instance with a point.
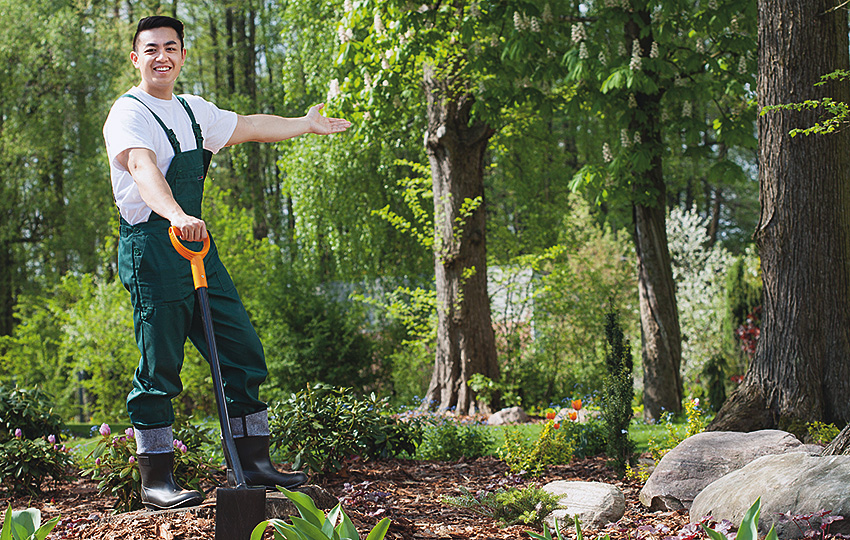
(131, 125)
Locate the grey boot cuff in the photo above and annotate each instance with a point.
(154, 441)
(251, 425)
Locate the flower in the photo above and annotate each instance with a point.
(333, 90)
(625, 140)
(379, 24)
(606, 153)
(348, 6)
(97, 462)
(550, 415)
(653, 51)
(132, 459)
(104, 429)
(129, 432)
(557, 425)
(686, 109)
(582, 51)
(51, 439)
(547, 13)
(18, 433)
(577, 404)
(573, 415)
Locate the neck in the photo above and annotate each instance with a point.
(159, 92)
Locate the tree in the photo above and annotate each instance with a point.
(801, 367)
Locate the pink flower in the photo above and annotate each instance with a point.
(129, 432)
(18, 433)
(97, 462)
(132, 459)
(104, 429)
(51, 439)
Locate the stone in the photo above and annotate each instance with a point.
(703, 458)
(794, 484)
(511, 415)
(595, 503)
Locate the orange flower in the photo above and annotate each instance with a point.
(557, 426)
(573, 415)
(550, 415)
(577, 404)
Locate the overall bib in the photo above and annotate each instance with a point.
(164, 303)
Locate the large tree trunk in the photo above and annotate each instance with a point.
(466, 342)
(801, 369)
(661, 337)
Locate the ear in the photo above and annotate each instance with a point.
(134, 57)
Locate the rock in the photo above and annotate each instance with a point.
(795, 483)
(511, 415)
(703, 458)
(597, 504)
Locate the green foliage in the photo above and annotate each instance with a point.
(112, 464)
(27, 463)
(528, 505)
(548, 535)
(617, 395)
(530, 458)
(836, 111)
(30, 410)
(742, 296)
(314, 525)
(695, 422)
(25, 525)
(748, 529)
(446, 439)
(321, 426)
(588, 438)
(822, 433)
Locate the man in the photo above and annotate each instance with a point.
(159, 147)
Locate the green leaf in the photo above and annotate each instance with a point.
(346, 528)
(6, 531)
(308, 530)
(712, 533)
(25, 522)
(45, 529)
(749, 525)
(380, 530)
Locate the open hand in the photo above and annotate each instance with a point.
(322, 125)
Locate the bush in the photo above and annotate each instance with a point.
(28, 462)
(588, 438)
(553, 447)
(528, 505)
(30, 410)
(321, 426)
(618, 392)
(448, 440)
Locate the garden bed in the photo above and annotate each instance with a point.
(409, 492)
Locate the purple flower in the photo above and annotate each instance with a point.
(18, 433)
(51, 439)
(129, 432)
(132, 459)
(104, 429)
(97, 462)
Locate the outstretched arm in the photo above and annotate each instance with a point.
(269, 128)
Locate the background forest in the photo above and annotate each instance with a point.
(331, 241)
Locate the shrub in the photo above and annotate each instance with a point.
(528, 505)
(695, 423)
(553, 447)
(28, 462)
(113, 465)
(821, 433)
(321, 426)
(618, 392)
(30, 410)
(588, 438)
(448, 440)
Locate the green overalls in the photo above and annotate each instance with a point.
(164, 303)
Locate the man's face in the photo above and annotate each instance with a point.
(158, 57)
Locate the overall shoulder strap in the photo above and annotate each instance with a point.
(196, 128)
(172, 138)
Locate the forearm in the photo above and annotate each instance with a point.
(268, 128)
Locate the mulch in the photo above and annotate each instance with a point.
(408, 492)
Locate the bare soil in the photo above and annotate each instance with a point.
(408, 492)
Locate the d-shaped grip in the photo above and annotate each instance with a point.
(196, 258)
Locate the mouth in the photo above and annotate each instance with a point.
(162, 69)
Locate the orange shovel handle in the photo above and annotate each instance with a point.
(196, 258)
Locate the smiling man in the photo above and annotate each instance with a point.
(159, 147)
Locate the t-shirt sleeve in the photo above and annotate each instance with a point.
(217, 125)
(126, 127)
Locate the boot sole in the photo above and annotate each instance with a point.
(185, 504)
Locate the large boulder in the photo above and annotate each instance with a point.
(595, 503)
(794, 484)
(703, 458)
(511, 415)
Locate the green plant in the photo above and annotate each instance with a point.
(511, 506)
(27, 409)
(113, 465)
(618, 392)
(822, 433)
(446, 439)
(25, 525)
(552, 447)
(588, 438)
(314, 525)
(28, 462)
(748, 529)
(695, 423)
(321, 426)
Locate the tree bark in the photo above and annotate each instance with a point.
(801, 369)
(466, 342)
(661, 340)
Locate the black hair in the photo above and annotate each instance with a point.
(159, 21)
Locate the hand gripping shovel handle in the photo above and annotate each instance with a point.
(196, 259)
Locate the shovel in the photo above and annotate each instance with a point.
(238, 508)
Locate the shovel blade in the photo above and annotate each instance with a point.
(238, 511)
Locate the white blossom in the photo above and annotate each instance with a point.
(348, 5)
(367, 81)
(519, 22)
(635, 62)
(578, 33)
(625, 140)
(637, 138)
(606, 153)
(742, 65)
(686, 109)
(665, 116)
(535, 24)
(547, 14)
(678, 81)
(349, 34)
(385, 83)
(582, 51)
(379, 24)
(712, 4)
(621, 49)
(632, 101)
(474, 11)
(342, 34)
(733, 25)
(700, 46)
(602, 58)
(333, 89)
(653, 51)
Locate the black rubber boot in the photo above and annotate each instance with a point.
(257, 466)
(159, 492)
